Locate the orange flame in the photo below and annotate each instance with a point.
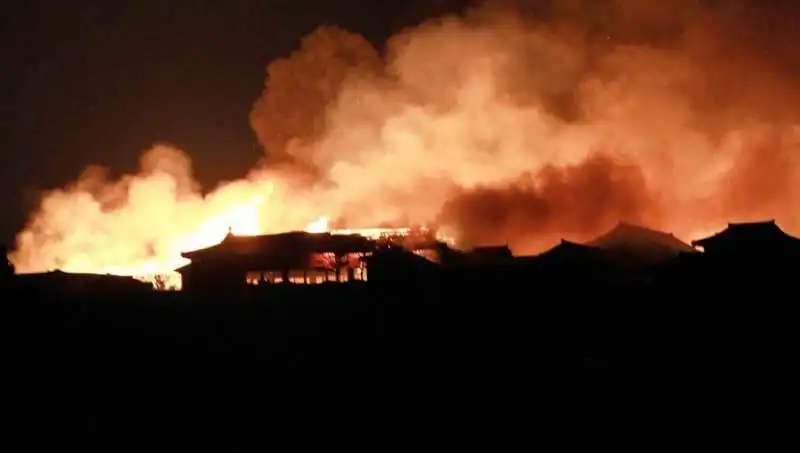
(500, 128)
(318, 226)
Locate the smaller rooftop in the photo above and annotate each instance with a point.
(626, 236)
(765, 232)
(569, 249)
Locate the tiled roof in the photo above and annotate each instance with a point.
(626, 235)
(749, 232)
(293, 242)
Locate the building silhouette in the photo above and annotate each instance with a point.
(626, 255)
(640, 246)
(301, 258)
(744, 253)
(750, 239)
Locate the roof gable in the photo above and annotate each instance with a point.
(764, 233)
(489, 254)
(571, 250)
(626, 236)
(292, 242)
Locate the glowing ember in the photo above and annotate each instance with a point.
(321, 225)
(318, 226)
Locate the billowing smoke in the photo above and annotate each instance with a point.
(572, 200)
(698, 96)
(290, 115)
(518, 122)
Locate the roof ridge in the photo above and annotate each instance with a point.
(637, 226)
(760, 222)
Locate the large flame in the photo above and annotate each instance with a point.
(498, 127)
(318, 226)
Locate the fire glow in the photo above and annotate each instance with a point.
(245, 223)
(496, 127)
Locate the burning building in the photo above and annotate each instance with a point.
(503, 125)
(302, 258)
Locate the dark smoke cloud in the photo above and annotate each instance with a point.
(528, 213)
(290, 114)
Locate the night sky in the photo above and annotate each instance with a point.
(97, 82)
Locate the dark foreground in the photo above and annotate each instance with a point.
(238, 368)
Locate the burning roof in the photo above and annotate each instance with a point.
(297, 242)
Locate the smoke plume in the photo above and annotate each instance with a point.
(517, 122)
(572, 200)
